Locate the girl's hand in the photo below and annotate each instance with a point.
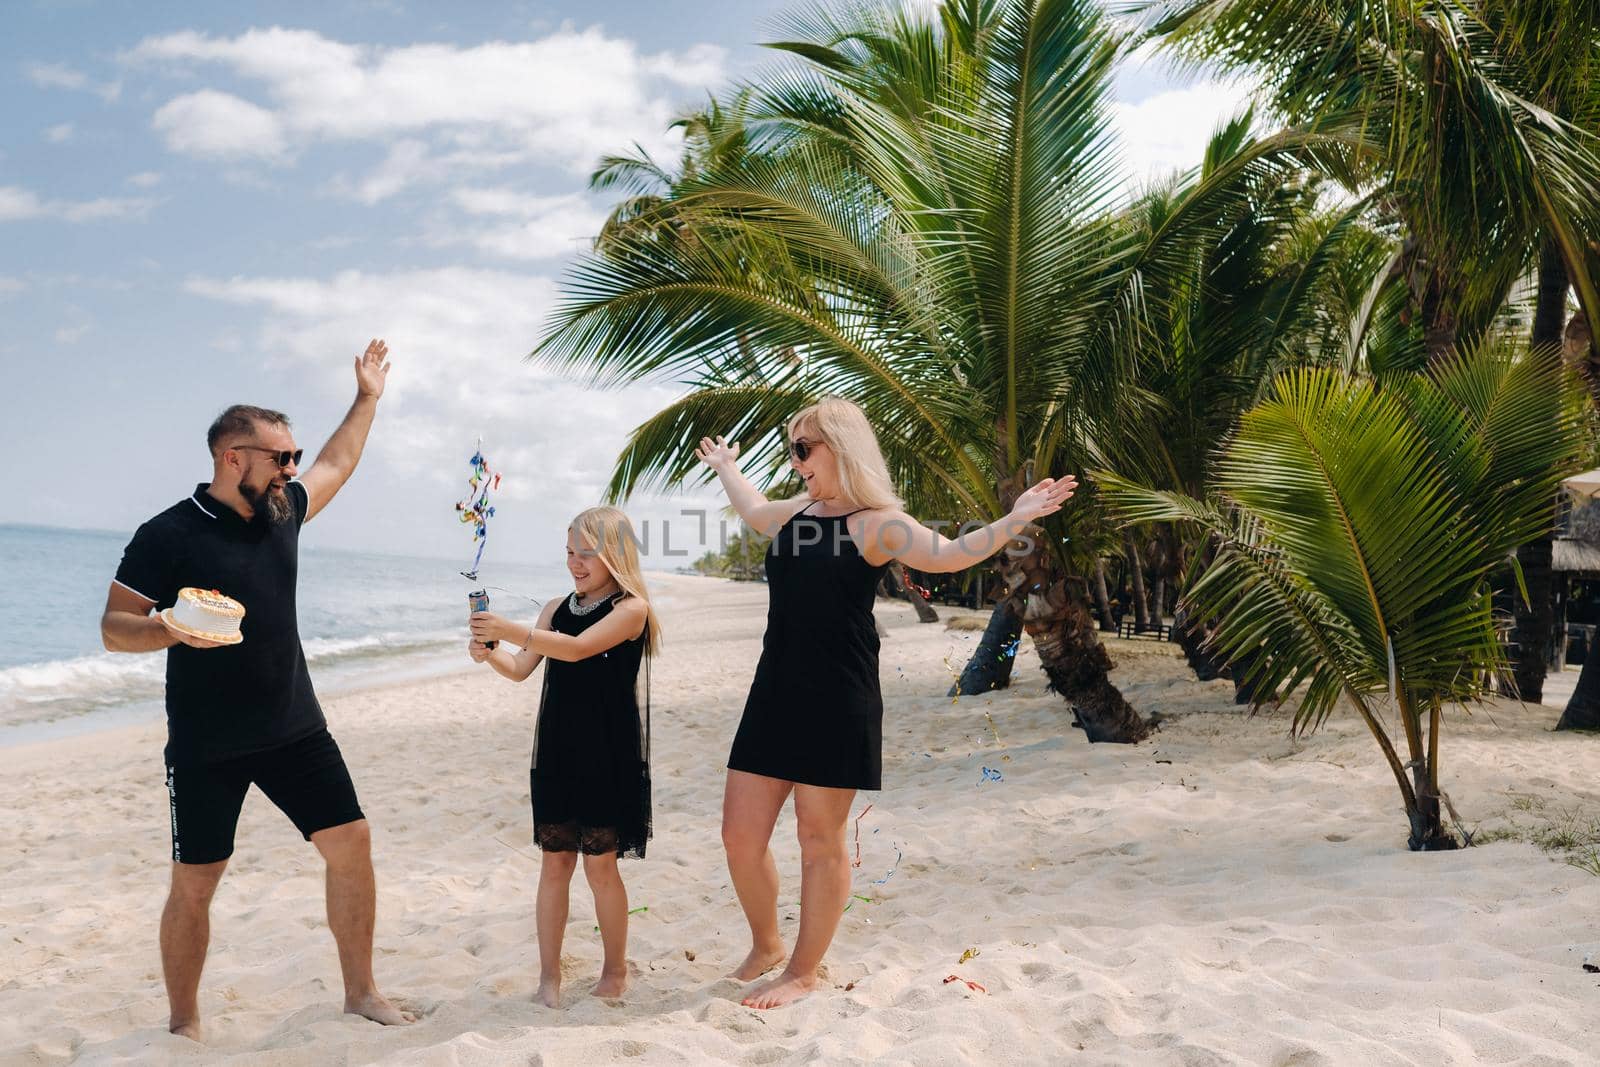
(477, 650)
(487, 626)
(717, 453)
(1044, 498)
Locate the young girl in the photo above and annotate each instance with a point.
(590, 775)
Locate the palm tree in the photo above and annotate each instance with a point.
(1483, 114)
(1357, 531)
(927, 226)
(1268, 279)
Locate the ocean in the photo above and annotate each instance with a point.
(365, 618)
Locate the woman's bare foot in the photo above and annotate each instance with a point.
(784, 989)
(190, 1030)
(611, 984)
(759, 962)
(549, 992)
(377, 1007)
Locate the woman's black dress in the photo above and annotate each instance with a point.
(590, 773)
(815, 715)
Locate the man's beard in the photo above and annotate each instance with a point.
(272, 508)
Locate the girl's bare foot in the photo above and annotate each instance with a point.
(611, 984)
(761, 960)
(549, 992)
(377, 1007)
(784, 989)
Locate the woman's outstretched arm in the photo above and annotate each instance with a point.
(895, 535)
(760, 514)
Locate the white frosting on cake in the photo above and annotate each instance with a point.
(207, 611)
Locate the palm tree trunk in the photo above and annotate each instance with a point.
(1158, 601)
(1141, 605)
(990, 666)
(1079, 667)
(1533, 629)
(1428, 833)
(1102, 598)
(1246, 689)
(1056, 617)
(1191, 637)
(895, 584)
(1583, 707)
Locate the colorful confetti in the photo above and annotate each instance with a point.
(474, 508)
(898, 856)
(863, 815)
(925, 594)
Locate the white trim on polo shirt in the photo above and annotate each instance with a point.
(199, 505)
(134, 591)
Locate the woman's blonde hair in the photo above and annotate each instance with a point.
(608, 532)
(842, 426)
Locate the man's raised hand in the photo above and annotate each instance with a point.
(372, 369)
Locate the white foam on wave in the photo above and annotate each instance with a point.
(32, 692)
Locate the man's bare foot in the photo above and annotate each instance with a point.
(190, 1030)
(376, 1006)
(611, 984)
(549, 992)
(784, 989)
(759, 962)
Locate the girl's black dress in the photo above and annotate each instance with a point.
(815, 714)
(590, 773)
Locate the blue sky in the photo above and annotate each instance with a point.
(202, 204)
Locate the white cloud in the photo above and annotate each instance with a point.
(145, 179)
(565, 98)
(408, 162)
(59, 134)
(1168, 130)
(55, 76)
(524, 226)
(457, 338)
(10, 285)
(70, 335)
(218, 125)
(18, 204)
(61, 76)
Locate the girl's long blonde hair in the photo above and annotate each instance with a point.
(863, 475)
(608, 532)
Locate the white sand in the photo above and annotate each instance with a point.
(1220, 895)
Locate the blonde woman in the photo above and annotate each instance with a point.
(813, 723)
(590, 772)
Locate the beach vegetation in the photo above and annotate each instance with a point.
(1357, 526)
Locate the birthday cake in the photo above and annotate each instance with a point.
(207, 614)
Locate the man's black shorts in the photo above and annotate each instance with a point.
(306, 779)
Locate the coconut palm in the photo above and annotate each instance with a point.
(1357, 530)
(1271, 278)
(1485, 114)
(928, 228)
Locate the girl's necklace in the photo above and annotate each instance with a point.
(585, 609)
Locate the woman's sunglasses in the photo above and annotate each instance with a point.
(802, 448)
(282, 455)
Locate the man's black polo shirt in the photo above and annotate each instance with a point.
(236, 699)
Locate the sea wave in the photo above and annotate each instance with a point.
(55, 689)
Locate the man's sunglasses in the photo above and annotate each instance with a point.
(283, 455)
(802, 448)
